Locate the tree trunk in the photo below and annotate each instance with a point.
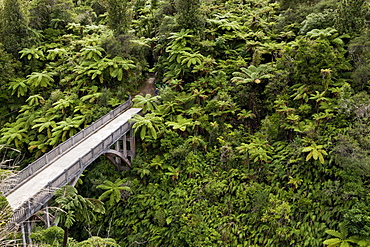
(65, 237)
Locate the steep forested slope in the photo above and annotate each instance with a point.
(259, 135)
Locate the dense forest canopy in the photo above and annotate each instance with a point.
(259, 135)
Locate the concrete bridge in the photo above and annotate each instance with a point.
(30, 189)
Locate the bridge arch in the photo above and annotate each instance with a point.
(124, 152)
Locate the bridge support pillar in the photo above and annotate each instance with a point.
(124, 146)
(47, 216)
(132, 144)
(26, 231)
(74, 181)
(118, 148)
(124, 151)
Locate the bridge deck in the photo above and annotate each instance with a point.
(58, 166)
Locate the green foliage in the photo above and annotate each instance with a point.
(98, 242)
(359, 54)
(62, 13)
(252, 74)
(321, 33)
(304, 59)
(257, 150)
(13, 135)
(149, 124)
(32, 53)
(18, 87)
(113, 190)
(10, 66)
(342, 238)
(148, 103)
(357, 219)
(92, 53)
(182, 123)
(69, 64)
(53, 236)
(13, 27)
(318, 21)
(6, 214)
(65, 129)
(37, 79)
(315, 152)
(189, 15)
(351, 16)
(350, 155)
(73, 207)
(119, 15)
(250, 90)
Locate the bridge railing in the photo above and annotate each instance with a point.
(18, 179)
(73, 171)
